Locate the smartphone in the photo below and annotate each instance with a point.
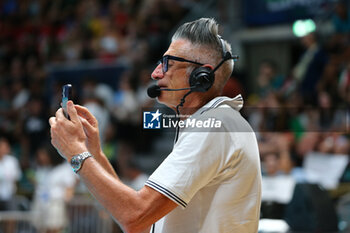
(66, 95)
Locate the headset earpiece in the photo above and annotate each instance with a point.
(201, 79)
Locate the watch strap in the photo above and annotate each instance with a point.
(85, 155)
(78, 160)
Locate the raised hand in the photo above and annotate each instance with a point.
(68, 136)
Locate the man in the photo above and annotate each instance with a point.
(210, 182)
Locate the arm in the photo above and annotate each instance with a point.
(135, 211)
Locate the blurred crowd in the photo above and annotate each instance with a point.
(307, 109)
(294, 114)
(37, 33)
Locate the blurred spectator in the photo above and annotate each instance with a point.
(308, 71)
(108, 42)
(10, 173)
(344, 83)
(328, 82)
(339, 41)
(271, 164)
(21, 95)
(275, 153)
(34, 128)
(326, 111)
(105, 94)
(334, 143)
(126, 108)
(268, 79)
(270, 114)
(307, 143)
(341, 18)
(54, 187)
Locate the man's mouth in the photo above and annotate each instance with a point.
(162, 86)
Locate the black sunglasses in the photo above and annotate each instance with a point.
(166, 58)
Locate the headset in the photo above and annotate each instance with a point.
(202, 78)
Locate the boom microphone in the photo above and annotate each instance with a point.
(154, 90)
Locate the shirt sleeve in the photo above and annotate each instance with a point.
(196, 159)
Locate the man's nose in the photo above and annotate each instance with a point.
(157, 72)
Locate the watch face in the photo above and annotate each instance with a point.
(75, 162)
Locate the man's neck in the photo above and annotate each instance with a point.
(193, 103)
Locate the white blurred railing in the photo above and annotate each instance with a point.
(84, 215)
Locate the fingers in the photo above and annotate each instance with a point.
(88, 128)
(59, 114)
(72, 112)
(84, 113)
(52, 121)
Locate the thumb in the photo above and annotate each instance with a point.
(72, 112)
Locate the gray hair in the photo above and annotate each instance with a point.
(202, 32)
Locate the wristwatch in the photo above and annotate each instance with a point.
(77, 160)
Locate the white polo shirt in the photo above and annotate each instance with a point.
(213, 175)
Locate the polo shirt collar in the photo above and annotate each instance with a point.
(235, 102)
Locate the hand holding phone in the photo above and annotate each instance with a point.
(66, 95)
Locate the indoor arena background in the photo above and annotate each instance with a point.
(293, 72)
